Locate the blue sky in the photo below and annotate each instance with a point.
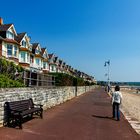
(84, 33)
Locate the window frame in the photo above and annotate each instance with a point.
(9, 34)
(9, 49)
(23, 57)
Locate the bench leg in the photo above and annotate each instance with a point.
(8, 122)
(41, 115)
(20, 126)
(20, 122)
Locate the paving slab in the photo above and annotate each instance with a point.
(87, 117)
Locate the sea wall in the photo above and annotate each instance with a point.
(44, 96)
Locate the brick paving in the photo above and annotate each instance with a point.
(87, 117)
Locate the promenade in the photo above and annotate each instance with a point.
(87, 117)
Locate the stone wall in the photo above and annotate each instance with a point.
(47, 97)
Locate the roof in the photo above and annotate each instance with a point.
(55, 59)
(42, 50)
(34, 45)
(60, 61)
(5, 27)
(19, 37)
(9, 40)
(50, 55)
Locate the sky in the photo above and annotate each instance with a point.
(84, 33)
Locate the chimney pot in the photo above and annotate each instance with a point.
(1, 21)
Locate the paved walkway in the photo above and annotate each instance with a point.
(87, 117)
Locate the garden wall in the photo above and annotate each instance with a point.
(47, 97)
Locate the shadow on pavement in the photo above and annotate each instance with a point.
(102, 117)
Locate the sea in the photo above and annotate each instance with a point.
(133, 83)
(130, 84)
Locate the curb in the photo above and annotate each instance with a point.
(135, 124)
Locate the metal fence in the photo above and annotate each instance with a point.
(33, 79)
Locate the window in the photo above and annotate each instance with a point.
(52, 68)
(44, 65)
(24, 43)
(22, 55)
(31, 59)
(15, 51)
(44, 55)
(10, 35)
(9, 49)
(28, 57)
(30, 48)
(37, 51)
(37, 61)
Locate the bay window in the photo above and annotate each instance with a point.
(9, 49)
(23, 56)
(37, 61)
(15, 51)
(12, 50)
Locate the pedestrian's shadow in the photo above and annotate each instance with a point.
(102, 117)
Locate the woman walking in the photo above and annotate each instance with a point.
(116, 101)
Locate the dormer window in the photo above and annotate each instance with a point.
(10, 35)
(37, 51)
(45, 55)
(30, 48)
(24, 43)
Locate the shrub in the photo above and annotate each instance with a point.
(6, 82)
(63, 79)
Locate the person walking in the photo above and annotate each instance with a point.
(116, 101)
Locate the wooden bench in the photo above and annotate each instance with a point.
(17, 110)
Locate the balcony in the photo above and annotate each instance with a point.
(39, 67)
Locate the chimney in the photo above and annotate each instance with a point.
(1, 21)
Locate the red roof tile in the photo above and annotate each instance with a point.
(50, 55)
(5, 27)
(19, 37)
(34, 45)
(9, 40)
(43, 50)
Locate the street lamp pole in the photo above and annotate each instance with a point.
(107, 63)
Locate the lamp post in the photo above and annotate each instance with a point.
(107, 63)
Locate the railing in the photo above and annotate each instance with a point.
(32, 79)
(35, 66)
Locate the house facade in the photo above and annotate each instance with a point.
(36, 58)
(25, 50)
(16, 47)
(52, 64)
(9, 47)
(45, 60)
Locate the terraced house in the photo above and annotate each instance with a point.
(52, 63)
(17, 47)
(45, 60)
(9, 47)
(25, 50)
(37, 59)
